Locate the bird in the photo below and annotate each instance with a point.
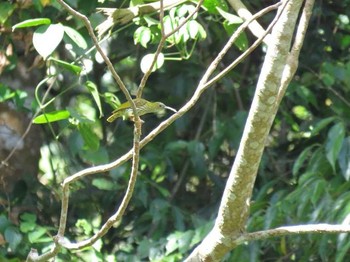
(142, 106)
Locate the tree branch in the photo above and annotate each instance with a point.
(245, 14)
(161, 43)
(125, 15)
(293, 57)
(234, 208)
(293, 230)
(251, 48)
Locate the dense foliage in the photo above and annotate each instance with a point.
(304, 175)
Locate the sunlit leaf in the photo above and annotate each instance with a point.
(185, 240)
(111, 99)
(76, 37)
(211, 6)
(95, 94)
(35, 235)
(46, 38)
(172, 243)
(232, 19)
(142, 35)
(85, 225)
(6, 93)
(70, 67)
(32, 22)
(301, 112)
(192, 27)
(51, 117)
(147, 61)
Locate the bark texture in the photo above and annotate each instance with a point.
(234, 208)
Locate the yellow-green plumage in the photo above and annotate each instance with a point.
(142, 106)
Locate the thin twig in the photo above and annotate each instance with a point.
(162, 41)
(255, 28)
(252, 47)
(293, 230)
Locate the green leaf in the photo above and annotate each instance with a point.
(307, 95)
(46, 38)
(6, 10)
(13, 237)
(305, 154)
(185, 240)
(76, 37)
(95, 94)
(232, 19)
(301, 112)
(202, 34)
(211, 6)
(4, 223)
(179, 218)
(334, 143)
(35, 236)
(103, 184)
(29, 217)
(143, 35)
(32, 22)
(147, 61)
(6, 93)
(321, 125)
(70, 67)
(111, 99)
(184, 10)
(28, 222)
(242, 40)
(196, 153)
(342, 252)
(319, 189)
(327, 79)
(51, 117)
(344, 159)
(150, 21)
(192, 28)
(95, 157)
(169, 25)
(144, 248)
(84, 225)
(171, 244)
(175, 146)
(91, 140)
(318, 162)
(26, 227)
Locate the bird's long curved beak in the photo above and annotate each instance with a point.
(170, 108)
